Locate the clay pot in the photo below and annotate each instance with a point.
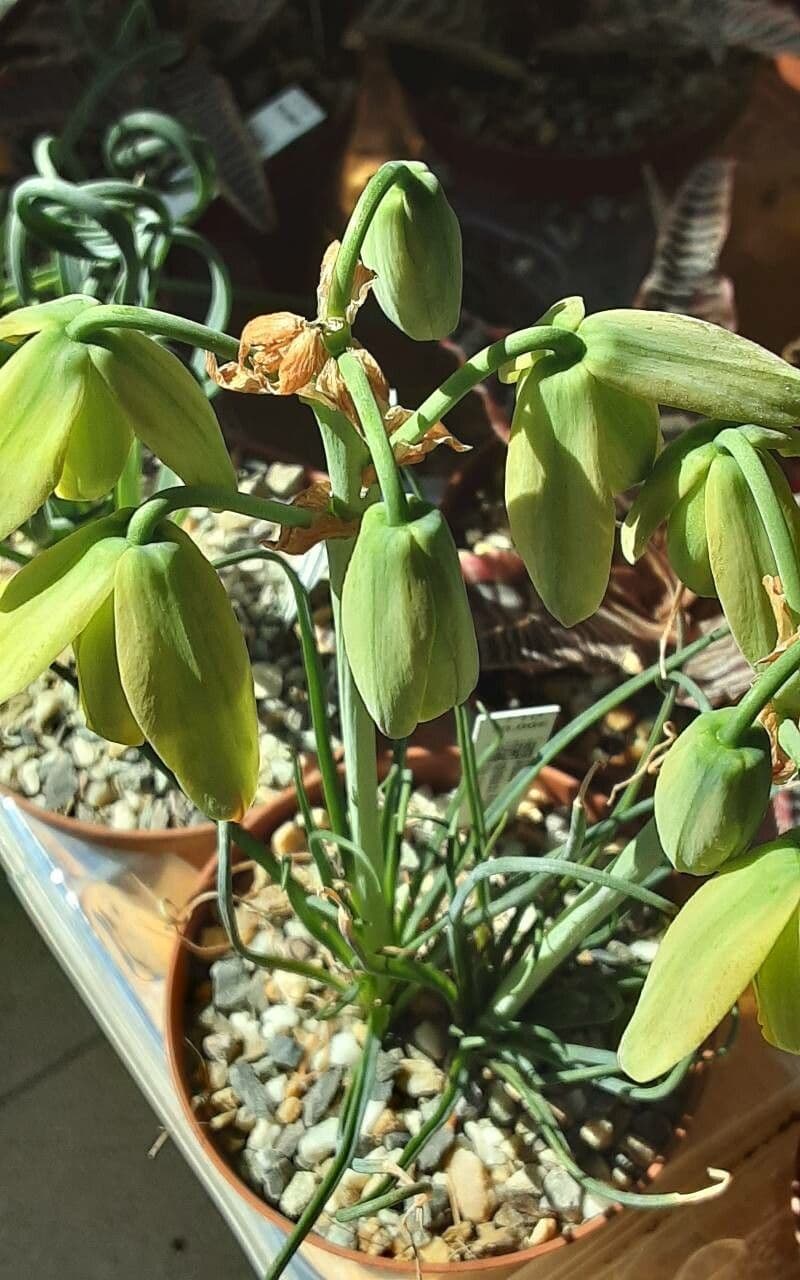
(439, 770)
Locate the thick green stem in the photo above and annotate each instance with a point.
(562, 342)
(371, 419)
(773, 517)
(163, 323)
(147, 518)
(637, 861)
(763, 691)
(347, 260)
(345, 456)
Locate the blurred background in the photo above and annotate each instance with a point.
(633, 151)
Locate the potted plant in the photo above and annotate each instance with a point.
(495, 951)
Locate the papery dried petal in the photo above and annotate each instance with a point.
(362, 282)
(266, 339)
(302, 361)
(235, 377)
(316, 497)
(330, 386)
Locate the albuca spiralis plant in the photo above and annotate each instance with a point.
(161, 661)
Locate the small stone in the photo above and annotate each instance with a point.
(348, 1192)
(60, 784)
(545, 1229)
(222, 1046)
(374, 1109)
(288, 1138)
(436, 1148)
(373, 1237)
(217, 1075)
(267, 680)
(645, 949)
(248, 1030)
(288, 838)
(275, 1089)
(489, 1142)
(278, 1018)
(99, 793)
(502, 1107)
(249, 1088)
(269, 1171)
(493, 1240)
(222, 1121)
(523, 1183)
(597, 1134)
(342, 1234)
(263, 1135)
(84, 752)
(470, 1185)
(285, 478)
(431, 1038)
(298, 1193)
(420, 1078)
(48, 708)
(320, 1096)
(639, 1151)
(344, 1050)
(292, 986)
(284, 1052)
(289, 1111)
(121, 816)
(563, 1193)
(230, 982)
(318, 1142)
(435, 1252)
(28, 778)
(387, 1064)
(593, 1206)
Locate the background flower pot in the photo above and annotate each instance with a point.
(440, 771)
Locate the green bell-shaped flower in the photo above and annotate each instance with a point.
(408, 631)
(413, 244)
(711, 797)
(691, 364)
(740, 925)
(69, 410)
(575, 443)
(160, 655)
(731, 523)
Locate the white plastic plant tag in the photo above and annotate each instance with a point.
(283, 119)
(522, 732)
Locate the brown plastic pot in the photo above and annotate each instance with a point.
(439, 770)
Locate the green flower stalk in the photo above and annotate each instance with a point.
(408, 631)
(413, 244)
(711, 795)
(160, 655)
(69, 411)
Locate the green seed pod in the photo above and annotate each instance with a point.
(69, 411)
(408, 630)
(102, 697)
(710, 798)
(691, 364)
(413, 244)
(574, 444)
(185, 672)
(48, 602)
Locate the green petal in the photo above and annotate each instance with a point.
(40, 391)
(630, 436)
(165, 405)
(186, 674)
(709, 954)
(99, 441)
(565, 314)
(102, 696)
(778, 990)
(48, 602)
(740, 556)
(44, 315)
(676, 472)
(560, 509)
(687, 542)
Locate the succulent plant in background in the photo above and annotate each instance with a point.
(160, 659)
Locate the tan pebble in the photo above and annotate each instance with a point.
(620, 720)
(321, 819)
(388, 1122)
(545, 1229)
(224, 1099)
(296, 1085)
(373, 1238)
(467, 1177)
(459, 1233)
(288, 838)
(290, 1110)
(436, 1251)
(223, 1120)
(273, 992)
(216, 1075)
(292, 986)
(245, 1120)
(494, 1240)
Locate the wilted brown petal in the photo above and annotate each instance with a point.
(266, 339)
(295, 542)
(331, 390)
(362, 282)
(234, 377)
(302, 361)
(407, 455)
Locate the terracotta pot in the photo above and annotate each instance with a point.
(439, 770)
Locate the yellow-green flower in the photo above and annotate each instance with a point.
(69, 411)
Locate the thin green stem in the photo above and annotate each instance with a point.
(371, 419)
(763, 691)
(773, 517)
(163, 323)
(150, 514)
(350, 250)
(562, 342)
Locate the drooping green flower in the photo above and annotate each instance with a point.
(739, 926)
(413, 244)
(408, 632)
(731, 523)
(711, 797)
(160, 655)
(69, 410)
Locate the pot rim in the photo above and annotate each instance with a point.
(435, 769)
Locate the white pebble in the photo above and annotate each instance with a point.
(319, 1141)
(344, 1049)
(278, 1018)
(264, 1135)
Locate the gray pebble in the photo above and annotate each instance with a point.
(387, 1064)
(287, 1141)
(60, 783)
(320, 1096)
(230, 983)
(267, 1170)
(563, 1193)
(284, 1052)
(435, 1149)
(249, 1089)
(222, 1046)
